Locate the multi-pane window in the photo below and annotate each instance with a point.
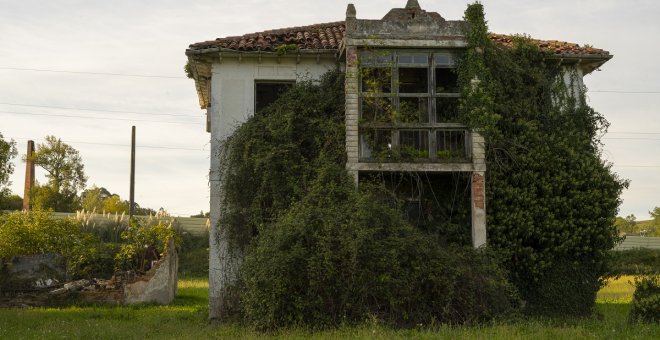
(412, 98)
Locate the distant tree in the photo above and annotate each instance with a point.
(626, 225)
(11, 202)
(65, 174)
(115, 205)
(45, 197)
(7, 152)
(655, 214)
(201, 214)
(93, 198)
(655, 223)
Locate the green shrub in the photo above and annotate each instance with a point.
(140, 238)
(193, 254)
(340, 256)
(635, 261)
(107, 227)
(31, 233)
(646, 299)
(551, 199)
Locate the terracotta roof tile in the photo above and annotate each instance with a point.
(328, 36)
(555, 46)
(320, 36)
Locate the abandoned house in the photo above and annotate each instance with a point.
(403, 62)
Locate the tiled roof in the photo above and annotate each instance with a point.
(555, 46)
(328, 36)
(315, 37)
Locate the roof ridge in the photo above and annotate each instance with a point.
(317, 36)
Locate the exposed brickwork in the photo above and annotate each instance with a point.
(478, 191)
(29, 176)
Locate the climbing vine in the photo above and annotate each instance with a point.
(551, 199)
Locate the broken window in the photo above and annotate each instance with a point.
(267, 92)
(451, 145)
(409, 96)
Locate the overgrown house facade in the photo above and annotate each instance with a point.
(401, 98)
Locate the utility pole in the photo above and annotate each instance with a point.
(29, 175)
(131, 209)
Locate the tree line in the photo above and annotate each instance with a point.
(65, 187)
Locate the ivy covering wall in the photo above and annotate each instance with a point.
(309, 240)
(552, 200)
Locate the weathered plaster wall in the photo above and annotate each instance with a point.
(232, 85)
(159, 284)
(232, 103)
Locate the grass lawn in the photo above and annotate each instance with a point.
(186, 319)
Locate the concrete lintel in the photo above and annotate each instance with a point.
(429, 43)
(412, 167)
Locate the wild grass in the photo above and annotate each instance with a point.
(186, 318)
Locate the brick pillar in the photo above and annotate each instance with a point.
(29, 175)
(478, 209)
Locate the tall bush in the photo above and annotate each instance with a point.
(32, 233)
(340, 256)
(646, 299)
(552, 200)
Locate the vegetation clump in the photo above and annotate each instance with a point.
(646, 300)
(87, 254)
(340, 256)
(316, 251)
(551, 199)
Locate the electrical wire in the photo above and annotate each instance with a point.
(99, 110)
(92, 73)
(121, 145)
(98, 118)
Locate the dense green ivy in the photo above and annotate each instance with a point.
(551, 199)
(269, 161)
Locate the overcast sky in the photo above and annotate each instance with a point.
(149, 38)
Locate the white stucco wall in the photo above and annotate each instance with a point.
(232, 85)
(232, 103)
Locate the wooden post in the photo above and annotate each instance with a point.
(29, 175)
(131, 209)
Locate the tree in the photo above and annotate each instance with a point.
(655, 213)
(7, 152)
(627, 224)
(65, 174)
(93, 198)
(115, 205)
(11, 202)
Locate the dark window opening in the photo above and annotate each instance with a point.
(414, 144)
(413, 80)
(267, 93)
(446, 80)
(446, 110)
(414, 110)
(376, 143)
(376, 80)
(376, 109)
(451, 145)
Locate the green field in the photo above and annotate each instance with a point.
(186, 319)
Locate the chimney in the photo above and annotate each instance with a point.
(29, 175)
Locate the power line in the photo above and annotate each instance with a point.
(633, 133)
(616, 91)
(97, 118)
(98, 110)
(122, 145)
(636, 166)
(92, 73)
(630, 138)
